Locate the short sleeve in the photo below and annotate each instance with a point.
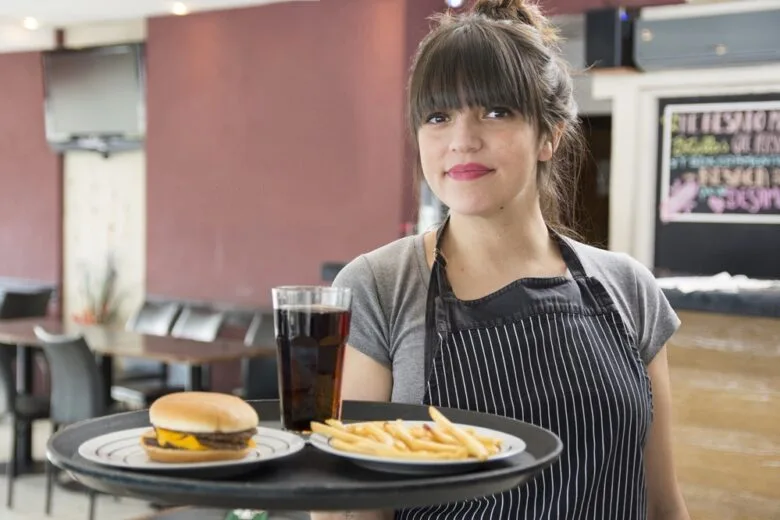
(656, 320)
(368, 331)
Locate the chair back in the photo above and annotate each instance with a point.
(25, 304)
(260, 375)
(77, 390)
(198, 325)
(154, 318)
(7, 386)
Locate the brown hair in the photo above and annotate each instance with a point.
(504, 53)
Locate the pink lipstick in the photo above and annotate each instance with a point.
(468, 171)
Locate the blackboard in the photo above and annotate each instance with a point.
(721, 162)
(718, 196)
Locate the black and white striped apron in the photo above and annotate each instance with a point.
(554, 352)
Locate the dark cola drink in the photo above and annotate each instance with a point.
(310, 347)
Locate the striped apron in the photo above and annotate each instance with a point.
(556, 353)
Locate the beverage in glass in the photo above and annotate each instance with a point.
(312, 325)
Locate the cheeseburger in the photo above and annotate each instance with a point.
(199, 427)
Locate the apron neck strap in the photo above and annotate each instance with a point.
(438, 258)
(570, 257)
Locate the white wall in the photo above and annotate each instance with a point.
(107, 33)
(15, 38)
(104, 214)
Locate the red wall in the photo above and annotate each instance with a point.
(30, 176)
(274, 144)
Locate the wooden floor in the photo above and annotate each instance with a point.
(725, 374)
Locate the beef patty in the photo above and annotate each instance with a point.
(214, 441)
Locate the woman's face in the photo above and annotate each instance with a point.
(479, 160)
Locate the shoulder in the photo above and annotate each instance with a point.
(388, 295)
(383, 266)
(636, 293)
(613, 267)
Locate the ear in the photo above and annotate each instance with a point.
(550, 144)
(546, 151)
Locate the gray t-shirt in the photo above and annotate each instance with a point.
(390, 286)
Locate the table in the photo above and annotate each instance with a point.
(758, 303)
(311, 480)
(109, 342)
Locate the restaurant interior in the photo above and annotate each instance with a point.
(164, 165)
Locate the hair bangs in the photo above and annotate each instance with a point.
(471, 67)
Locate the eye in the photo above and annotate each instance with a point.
(436, 118)
(499, 113)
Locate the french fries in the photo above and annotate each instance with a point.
(439, 441)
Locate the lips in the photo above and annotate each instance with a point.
(468, 171)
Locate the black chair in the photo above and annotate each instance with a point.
(23, 411)
(193, 324)
(76, 391)
(142, 382)
(25, 304)
(154, 319)
(259, 375)
(198, 325)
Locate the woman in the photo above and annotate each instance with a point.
(496, 311)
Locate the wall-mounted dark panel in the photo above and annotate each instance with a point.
(708, 41)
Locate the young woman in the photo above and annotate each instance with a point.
(497, 310)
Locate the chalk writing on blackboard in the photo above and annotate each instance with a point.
(721, 163)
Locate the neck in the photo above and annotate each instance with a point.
(514, 236)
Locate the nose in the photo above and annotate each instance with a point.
(465, 137)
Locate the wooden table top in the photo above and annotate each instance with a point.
(118, 342)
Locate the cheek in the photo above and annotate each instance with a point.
(518, 151)
(430, 156)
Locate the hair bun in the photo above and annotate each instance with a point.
(518, 11)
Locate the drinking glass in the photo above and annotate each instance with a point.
(312, 325)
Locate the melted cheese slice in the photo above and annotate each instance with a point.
(178, 440)
(184, 441)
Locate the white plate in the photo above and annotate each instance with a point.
(510, 447)
(123, 449)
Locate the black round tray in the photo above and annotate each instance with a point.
(311, 480)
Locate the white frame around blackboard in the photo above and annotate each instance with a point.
(669, 111)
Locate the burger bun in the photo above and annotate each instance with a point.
(202, 412)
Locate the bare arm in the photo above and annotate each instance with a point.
(364, 380)
(665, 500)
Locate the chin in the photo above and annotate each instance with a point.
(474, 206)
(482, 201)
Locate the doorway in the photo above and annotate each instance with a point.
(592, 205)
